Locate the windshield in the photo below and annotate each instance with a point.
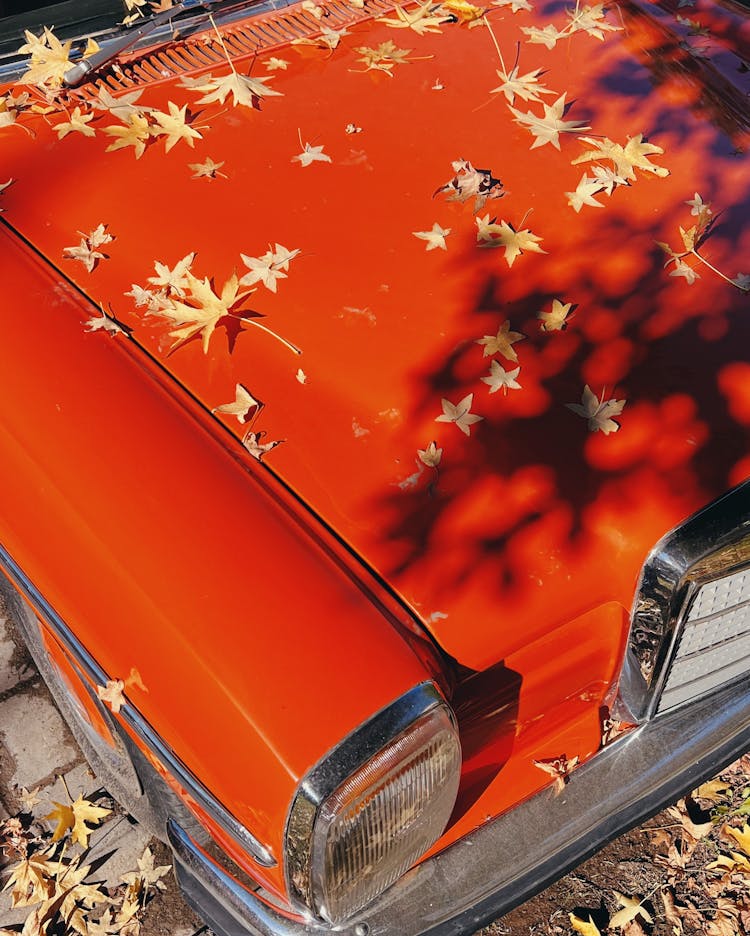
(71, 19)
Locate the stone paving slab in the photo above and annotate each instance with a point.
(37, 750)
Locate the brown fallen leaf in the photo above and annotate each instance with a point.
(559, 768)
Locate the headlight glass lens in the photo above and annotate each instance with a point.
(380, 820)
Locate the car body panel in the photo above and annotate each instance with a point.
(93, 445)
(252, 598)
(387, 329)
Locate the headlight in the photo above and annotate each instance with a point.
(376, 803)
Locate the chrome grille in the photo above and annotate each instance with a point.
(714, 646)
(690, 631)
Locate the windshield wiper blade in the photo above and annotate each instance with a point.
(116, 47)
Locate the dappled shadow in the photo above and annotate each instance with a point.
(532, 482)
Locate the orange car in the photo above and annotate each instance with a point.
(374, 420)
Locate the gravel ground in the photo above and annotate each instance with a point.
(666, 864)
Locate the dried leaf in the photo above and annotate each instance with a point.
(136, 133)
(505, 235)
(742, 837)
(464, 12)
(547, 129)
(584, 194)
(527, 86)
(515, 5)
(548, 36)
(208, 169)
(245, 91)
(632, 907)
(311, 154)
(73, 818)
(112, 694)
(502, 342)
(174, 126)
(78, 122)
(585, 927)
(421, 20)
(431, 455)
(269, 268)
(32, 879)
(500, 378)
(559, 768)
(174, 281)
(243, 403)
(435, 237)
(258, 449)
(384, 58)
(590, 19)
(49, 60)
(634, 155)
(598, 412)
(556, 320)
(202, 309)
(469, 182)
(459, 413)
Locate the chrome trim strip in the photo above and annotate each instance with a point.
(332, 770)
(146, 734)
(711, 544)
(509, 859)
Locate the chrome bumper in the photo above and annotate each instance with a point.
(513, 857)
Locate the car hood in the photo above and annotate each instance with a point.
(622, 420)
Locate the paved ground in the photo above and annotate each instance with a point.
(36, 749)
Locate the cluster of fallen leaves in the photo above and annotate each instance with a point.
(691, 876)
(47, 872)
(692, 239)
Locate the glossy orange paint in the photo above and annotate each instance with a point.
(521, 555)
(212, 590)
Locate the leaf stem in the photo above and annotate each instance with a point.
(703, 260)
(269, 331)
(221, 43)
(496, 44)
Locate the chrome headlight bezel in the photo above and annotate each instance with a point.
(712, 544)
(320, 785)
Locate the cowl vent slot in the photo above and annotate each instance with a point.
(267, 29)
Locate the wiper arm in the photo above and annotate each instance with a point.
(116, 47)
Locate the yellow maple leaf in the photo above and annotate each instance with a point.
(77, 123)
(174, 126)
(555, 320)
(134, 133)
(384, 57)
(502, 342)
(245, 90)
(634, 155)
(632, 907)
(32, 879)
(505, 235)
(586, 928)
(208, 169)
(73, 818)
(49, 59)
(742, 837)
(112, 694)
(202, 309)
(420, 20)
(464, 12)
(547, 129)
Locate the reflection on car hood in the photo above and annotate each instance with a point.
(366, 162)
